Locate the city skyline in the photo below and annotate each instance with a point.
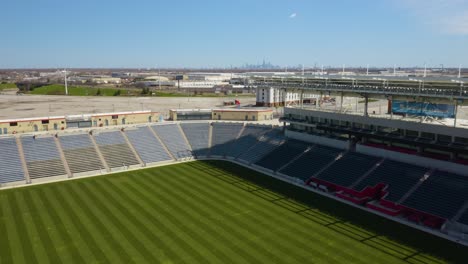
(209, 34)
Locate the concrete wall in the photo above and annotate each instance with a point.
(413, 159)
(318, 139)
(130, 119)
(32, 126)
(241, 115)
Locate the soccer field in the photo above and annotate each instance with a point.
(200, 212)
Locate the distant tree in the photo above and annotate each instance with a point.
(145, 91)
(98, 92)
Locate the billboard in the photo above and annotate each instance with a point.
(423, 109)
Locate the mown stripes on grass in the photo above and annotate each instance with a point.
(197, 212)
(268, 219)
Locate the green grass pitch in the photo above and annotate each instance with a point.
(200, 212)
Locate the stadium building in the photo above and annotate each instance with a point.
(407, 170)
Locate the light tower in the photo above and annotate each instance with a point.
(66, 85)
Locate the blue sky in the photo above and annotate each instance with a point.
(178, 33)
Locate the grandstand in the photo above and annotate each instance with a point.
(80, 153)
(198, 136)
(171, 136)
(115, 150)
(10, 162)
(42, 157)
(224, 135)
(147, 145)
(407, 192)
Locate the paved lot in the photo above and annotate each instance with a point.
(14, 106)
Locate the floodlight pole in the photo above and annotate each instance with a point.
(66, 85)
(159, 78)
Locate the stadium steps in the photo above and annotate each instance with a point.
(330, 164)
(311, 162)
(442, 194)
(24, 165)
(42, 157)
(197, 135)
(282, 155)
(130, 146)
(62, 157)
(83, 160)
(365, 175)
(230, 145)
(118, 155)
(295, 158)
(224, 135)
(147, 145)
(171, 136)
(115, 150)
(248, 138)
(412, 190)
(265, 144)
(398, 178)
(184, 137)
(210, 137)
(98, 152)
(461, 213)
(348, 169)
(162, 143)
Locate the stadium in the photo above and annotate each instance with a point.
(310, 190)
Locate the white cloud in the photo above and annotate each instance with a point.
(446, 16)
(293, 15)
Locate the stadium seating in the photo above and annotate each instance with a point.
(265, 145)
(197, 135)
(80, 153)
(223, 135)
(282, 155)
(115, 149)
(42, 157)
(173, 139)
(399, 178)
(147, 145)
(248, 138)
(346, 170)
(10, 162)
(464, 218)
(442, 194)
(311, 162)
